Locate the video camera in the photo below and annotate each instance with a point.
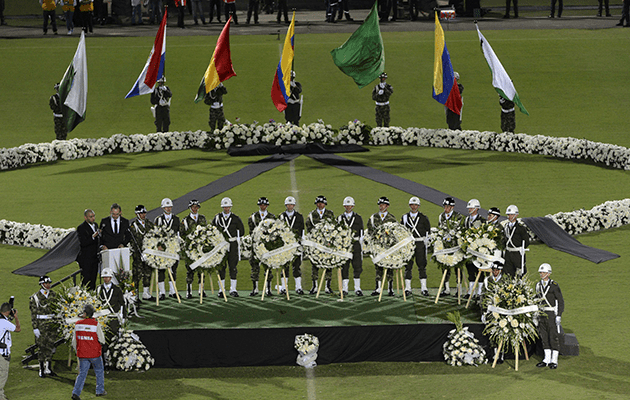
(12, 303)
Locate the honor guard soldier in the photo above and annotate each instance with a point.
(420, 227)
(111, 296)
(42, 316)
(214, 99)
(353, 221)
(141, 270)
(549, 325)
(295, 221)
(449, 214)
(473, 220)
(315, 217)
(493, 215)
(253, 221)
(508, 116)
(380, 95)
(453, 119)
(516, 242)
(170, 222)
(379, 218)
(161, 100)
(293, 112)
(188, 226)
(232, 228)
(61, 132)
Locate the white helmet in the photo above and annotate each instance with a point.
(414, 200)
(289, 200)
(473, 203)
(166, 202)
(226, 202)
(544, 267)
(348, 201)
(107, 272)
(512, 209)
(456, 75)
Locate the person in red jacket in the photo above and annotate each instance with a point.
(87, 339)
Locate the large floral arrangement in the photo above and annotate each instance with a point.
(328, 244)
(307, 346)
(462, 348)
(129, 289)
(447, 241)
(512, 305)
(611, 214)
(160, 247)
(390, 245)
(482, 242)
(274, 244)
(69, 308)
(206, 247)
(128, 353)
(31, 235)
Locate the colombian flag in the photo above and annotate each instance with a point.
(220, 68)
(281, 88)
(445, 89)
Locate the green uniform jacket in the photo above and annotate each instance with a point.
(256, 219)
(42, 306)
(138, 231)
(376, 220)
(313, 218)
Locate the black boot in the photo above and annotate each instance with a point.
(41, 370)
(328, 288)
(390, 287)
(313, 288)
(255, 289)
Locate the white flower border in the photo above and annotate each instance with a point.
(611, 214)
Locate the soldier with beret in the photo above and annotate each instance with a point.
(315, 217)
(473, 220)
(188, 226)
(169, 221)
(418, 224)
(141, 270)
(456, 218)
(549, 324)
(381, 94)
(516, 242)
(295, 221)
(232, 228)
(353, 221)
(381, 217)
(41, 305)
(253, 221)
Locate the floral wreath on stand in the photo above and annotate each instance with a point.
(462, 348)
(130, 292)
(206, 248)
(447, 252)
(69, 308)
(160, 247)
(130, 354)
(328, 245)
(391, 246)
(512, 306)
(275, 246)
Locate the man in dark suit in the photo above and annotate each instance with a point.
(88, 254)
(114, 229)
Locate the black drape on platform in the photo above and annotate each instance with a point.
(210, 348)
(65, 252)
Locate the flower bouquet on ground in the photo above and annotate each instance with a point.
(328, 245)
(447, 252)
(462, 348)
(307, 346)
(69, 308)
(391, 246)
(128, 287)
(512, 306)
(206, 248)
(130, 354)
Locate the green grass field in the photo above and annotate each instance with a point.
(570, 81)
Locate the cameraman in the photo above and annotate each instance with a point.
(161, 99)
(6, 327)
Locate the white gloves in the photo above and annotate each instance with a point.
(558, 319)
(37, 333)
(380, 91)
(382, 85)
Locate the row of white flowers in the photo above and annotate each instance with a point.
(354, 132)
(31, 235)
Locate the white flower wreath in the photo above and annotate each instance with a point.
(70, 305)
(160, 247)
(206, 247)
(390, 245)
(274, 244)
(481, 243)
(447, 243)
(328, 244)
(130, 354)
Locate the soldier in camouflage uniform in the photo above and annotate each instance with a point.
(377, 219)
(232, 228)
(186, 227)
(381, 94)
(315, 217)
(42, 316)
(253, 221)
(61, 132)
(549, 324)
(420, 227)
(449, 214)
(508, 115)
(353, 221)
(295, 221)
(214, 99)
(141, 270)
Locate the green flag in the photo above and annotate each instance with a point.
(362, 56)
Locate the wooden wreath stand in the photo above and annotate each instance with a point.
(284, 279)
(399, 276)
(459, 286)
(475, 284)
(321, 281)
(157, 290)
(496, 356)
(201, 286)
